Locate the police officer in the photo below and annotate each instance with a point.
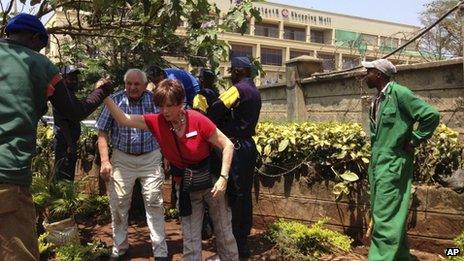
(67, 131)
(208, 93)
(236, 114)
(191, 86)
(394, 111)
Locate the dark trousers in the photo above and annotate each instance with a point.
(65, 163)
(239, 189)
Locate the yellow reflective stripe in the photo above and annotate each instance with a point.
(230, 97)
(200, 103)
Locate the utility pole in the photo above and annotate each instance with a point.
(461, 13)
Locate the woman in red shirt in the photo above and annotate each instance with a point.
(185, 138)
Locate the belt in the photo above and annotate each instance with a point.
(137, 154)
(204, 162)
(234, 139)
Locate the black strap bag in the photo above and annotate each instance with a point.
(197, 176)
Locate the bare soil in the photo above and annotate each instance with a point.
(140, 246)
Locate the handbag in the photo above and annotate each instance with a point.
(196, 177)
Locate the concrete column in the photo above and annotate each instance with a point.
(338, 61)
(252, 26)
(258, 52)
(296, 106)
(461, 11)
(296, 70)
(281, 30)
(332, 41)
(308, 34)
(287, 54)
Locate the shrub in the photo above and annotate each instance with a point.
(76, 252)
(171, 213)
(440, 156)
(459, 241)
(96, 207)
(342, 151)
(45, 247)
(297, 240)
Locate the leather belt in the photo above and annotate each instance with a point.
(137, 154)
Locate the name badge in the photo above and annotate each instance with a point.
(191, 134)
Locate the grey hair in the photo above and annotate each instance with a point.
(140, 72)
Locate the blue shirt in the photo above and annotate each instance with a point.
(189, 82)
(129, 140)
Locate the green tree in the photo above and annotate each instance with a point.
(445, 39)
(113, 35)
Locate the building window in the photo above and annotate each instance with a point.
(268, 30)
(293, 33)
(317, 36)
(328, 61)
(413, 47)
(241, 50)
(271, 56)
(350, 62)
(369, 39)
(296, 53)
(389, 42)
(346, 39)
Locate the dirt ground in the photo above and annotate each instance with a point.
(140, 247)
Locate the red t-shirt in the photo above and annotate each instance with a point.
(193, 145)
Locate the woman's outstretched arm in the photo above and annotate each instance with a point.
(128, 120)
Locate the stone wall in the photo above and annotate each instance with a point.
(436, 215)
(340, 97)
(274, 103)
(435, 218)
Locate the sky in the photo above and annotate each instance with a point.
(400, 11)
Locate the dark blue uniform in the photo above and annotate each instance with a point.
(65, 161)
(236, 114)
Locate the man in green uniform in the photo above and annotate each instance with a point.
(27, 80)
(394, 111)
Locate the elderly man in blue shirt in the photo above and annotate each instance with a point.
(136, 155)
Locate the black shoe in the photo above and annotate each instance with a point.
(119, 258)
(162, 258)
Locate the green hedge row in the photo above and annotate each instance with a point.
(343, 149)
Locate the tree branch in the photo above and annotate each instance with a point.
(5, 15)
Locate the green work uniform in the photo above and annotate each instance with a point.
(391, 166)
(25, 78)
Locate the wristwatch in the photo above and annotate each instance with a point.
(226, 177)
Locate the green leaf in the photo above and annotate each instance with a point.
(267, 150)
(283, 145)
(341, 155)
(339, 188)
(349, 176)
